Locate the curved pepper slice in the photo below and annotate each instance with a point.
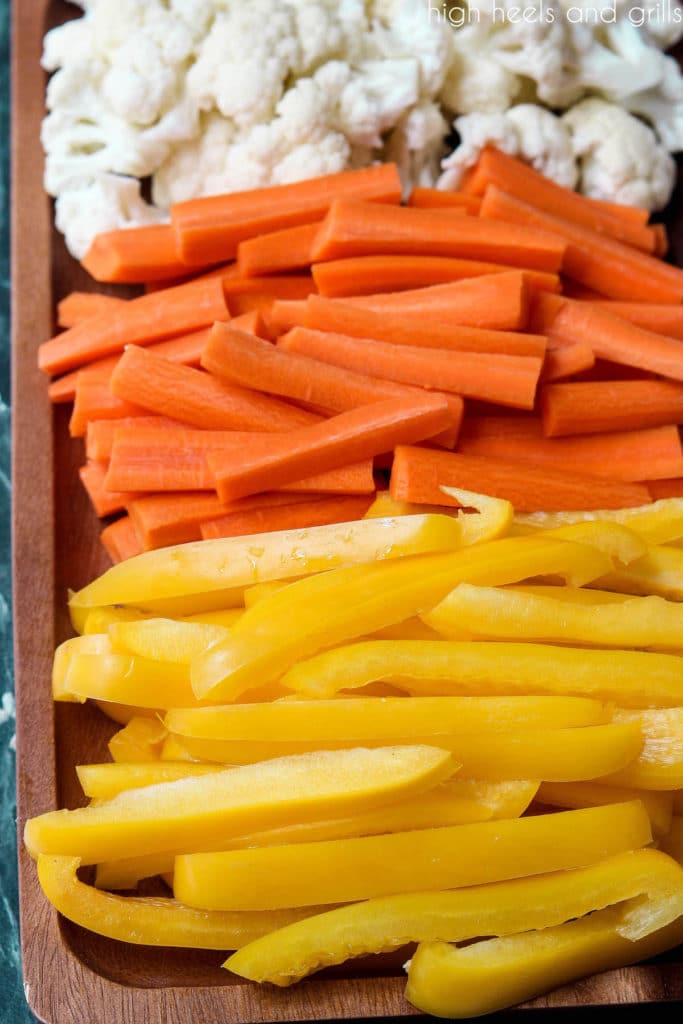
(659, 572)
(658, 523)
(442, 667)
(343, 870)
(165, 640)
(150, 921)
(660, 764)
(140, 740)
(659, 806)
(187, 813)
(127, 679)
(331, 608)
(498, 908)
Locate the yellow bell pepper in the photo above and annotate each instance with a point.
(104, 781)
(614, 539)
(171, 750)
(572, 595)
(96, 643)
(373, 719)
(453, 802)
(149, 921)
(660, 572)
(498, 908)
(165, 640)
(410, 629)
(660, 764)
(252, 595)
(140, 740)
(672, 842)
(343, 870)
(187, 813)
(465, 982)
(658, 523)
(123, 713)
(443, 667)
(508, 614)
(330, 608)
(559, 755)
(100, 619)
(126, 679)
(234, 563)
(659, 806)
(491, 519)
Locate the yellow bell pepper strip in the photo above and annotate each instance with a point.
(165, 640)
(187, 813)
(492, 517)
(331, 608)
(410, 629)
(123, 713)
(226, 617)
(559, 755)
(572, 595)
(508, 614)
(100, 619)
(343, 870)
(238, 562)
(660, 572)
(672, 842)
(660, 522)
(453, 802)
(96, 643)
(614, 539)
(126, 679)
(149, 921)
(171, 750)
(448, 667)
(141, 739)
(104, 781)
(660, 764)
(498, 908)
(659, 806)
(252, 595)
(373, 719)
(466, 982)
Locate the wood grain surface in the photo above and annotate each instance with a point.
(72, 976)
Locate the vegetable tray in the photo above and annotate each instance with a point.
(73, 976)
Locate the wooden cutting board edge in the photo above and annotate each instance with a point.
(61, 988)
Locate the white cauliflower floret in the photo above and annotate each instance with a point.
(618, 62)
(663, 106)
(411, 31)
(375, 97)
(195, 167)
(660, 22)
(476, 82)
(619, 156)
(416, 145)
(527, 131)
(106, 203)
(328, 30)
(139, 85)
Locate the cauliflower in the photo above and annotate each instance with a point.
(619, 156)
(526, 131)
(476, 81)
(663, 106)
(106, 204)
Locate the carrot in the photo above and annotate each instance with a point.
(284, 286)
(185, 349)
(661, 239)
(153, 460)
(595, 407)
(354, 228)
(242, 359)
(665, 488)
(594, 260)
(176, 518)
(134, 255)
(630, 455)
(365, 275)
(79, 306)
(223, 270)
(502, 426)
(437, 199)
(347, 318)
(523, 182)
(197, 398)
(347, 438)
(94, 401)
(141, 321)
(210, 229)
(279, 251)
(543, 309)
(660, 318)
(283, 314)
(319, 512)
(508, 380)
(99, 438)
(120, 540)
(633, 214)
(418, 474)
(252, 323)
(104, 502)
(617, 340)
(562, 361)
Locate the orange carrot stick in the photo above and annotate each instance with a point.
(366, 275)
(104, 502)
(252, 323)
(354, 228)
(99, 438)
(594, 260)
(666, 488)
(629, 456)
(277, 252)
(283, 286)
(437, 199)
(134, 255)
(597, 406)
(508, 380)
(562, 361)
(523, 182)
(660, 318)
(120, 540)
(318, 512)
(661, 238)
(210, 229)
(349, 437)
(94, 401)
(347, 318)
(502, 426)
(141, 321)
(197, 398)
(634, 214)
(418, 474)
(76, 307)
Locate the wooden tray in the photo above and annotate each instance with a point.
(72, 976)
